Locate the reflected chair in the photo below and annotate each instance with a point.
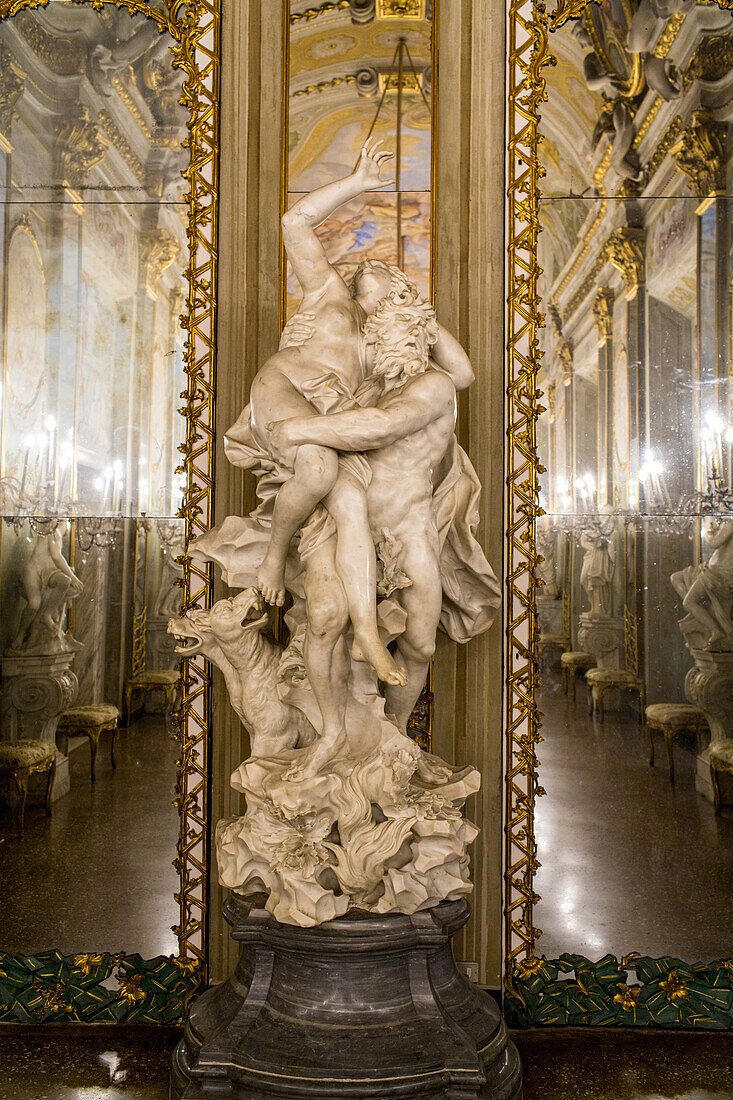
(601, 680)
(19, 760)
(552, 641)
(90, 722)
(721, 760)
(571, 663)
(670, 719)
(166, 680)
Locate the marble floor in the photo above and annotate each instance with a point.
(96, 875)
(590, 1064)
(630, 861)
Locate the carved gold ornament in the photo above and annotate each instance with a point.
(158, 250)
(603, 313)
(11, 90)
(79, 147)
(700, 154)
(625, 250)
(564, 352)
(400, 9)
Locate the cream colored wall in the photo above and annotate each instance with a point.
(248, 323)
(469, 300)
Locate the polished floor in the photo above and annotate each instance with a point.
(592, 1064)
(630, 861)
(96, 875)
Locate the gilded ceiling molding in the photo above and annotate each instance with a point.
(151, 134)
(665, 144)
(324, 85)
(118, 140)
(700, 155)
(79, 146)
(310, 14)
(668, 35)
(603, 313)
(625, 250)
(158, 250)
(11, 89)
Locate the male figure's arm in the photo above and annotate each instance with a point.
(420, 402)
(305, 251)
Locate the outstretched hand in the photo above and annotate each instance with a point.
(370, 164)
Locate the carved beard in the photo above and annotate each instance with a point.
(394, 363)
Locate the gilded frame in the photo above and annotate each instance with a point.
(571, 990)
(50, 987)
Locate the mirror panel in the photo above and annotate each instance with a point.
(93, 249)
(635, 614)
(364, 69)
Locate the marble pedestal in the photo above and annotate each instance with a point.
(709, 686)
(364, 1006)
(603, 637)
(549, 615)
(34, 692)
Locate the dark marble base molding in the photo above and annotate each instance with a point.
(364, 1006)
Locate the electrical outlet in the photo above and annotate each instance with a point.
(469, 970)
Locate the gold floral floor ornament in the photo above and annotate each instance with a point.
(571, 990)
(50, 986)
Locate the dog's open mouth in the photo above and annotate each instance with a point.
(191, 641)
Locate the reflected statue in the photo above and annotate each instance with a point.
(707, 592)
(48, 584)
(367, 521)
(596, 574)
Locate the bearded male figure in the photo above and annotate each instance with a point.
(330, 367)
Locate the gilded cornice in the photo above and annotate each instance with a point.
(603, 313)
(116, 138)
(158, 250)
(700, 154)
(625, 250)
(79, 146)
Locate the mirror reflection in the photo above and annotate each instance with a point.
(636, 612)
(364, 69)
(92, 250)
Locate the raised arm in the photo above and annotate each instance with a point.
(305, 251)
(448, 354)
(422, 401)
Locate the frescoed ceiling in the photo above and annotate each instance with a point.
(337, 72)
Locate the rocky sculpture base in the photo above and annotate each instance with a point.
(362, 1006)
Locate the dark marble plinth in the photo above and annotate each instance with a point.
(364, 1006)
